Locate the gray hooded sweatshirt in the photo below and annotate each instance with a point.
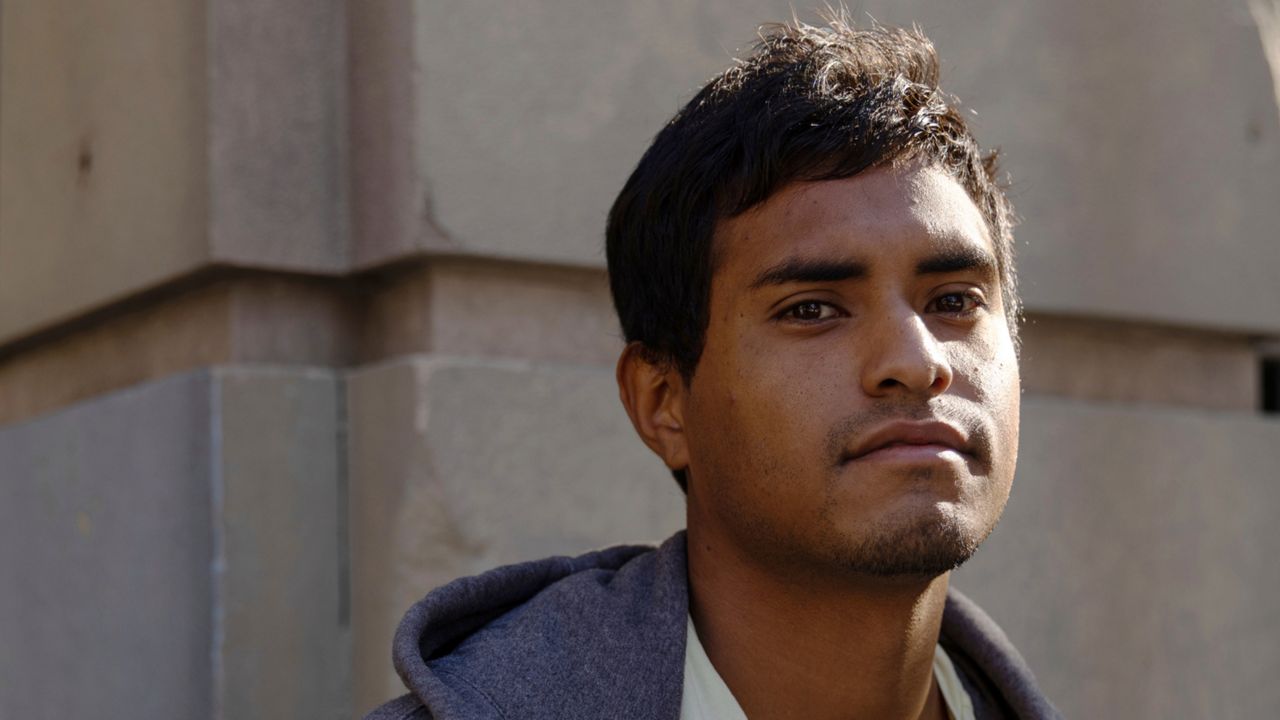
(602, 636)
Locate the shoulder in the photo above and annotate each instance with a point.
(562, 638)
(597, 637)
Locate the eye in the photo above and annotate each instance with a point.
(809, 311)
(957, 303)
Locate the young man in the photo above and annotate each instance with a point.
(813, 269)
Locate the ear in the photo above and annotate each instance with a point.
(654, 396)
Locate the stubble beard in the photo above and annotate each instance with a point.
(911, 544)
(913, 548)
(914, 544)
(906, 547)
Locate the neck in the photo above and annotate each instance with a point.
(791, 647)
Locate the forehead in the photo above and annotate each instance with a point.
(880, 211)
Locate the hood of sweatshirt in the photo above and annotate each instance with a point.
(603, 634)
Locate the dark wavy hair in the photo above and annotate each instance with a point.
(810, 103)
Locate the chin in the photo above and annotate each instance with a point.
(921, 544)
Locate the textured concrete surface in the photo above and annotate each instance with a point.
(461, 306)
(293, 320)
(248, 318)
(134, 347)
(140, 143)
(102, 153)
(391, 205)
(1145, 180)
(457, 306)
(549, 107)
(105, 555)
(481, 307)
(1094, 359)
(277, 134)
(460, 465)
(177, 549)
(1135, 566)
(281, 619)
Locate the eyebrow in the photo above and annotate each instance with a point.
(799, 270)
(958, 258)
(955, 258)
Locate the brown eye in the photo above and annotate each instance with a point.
(807, 311)
(956, 303)
(810, 311)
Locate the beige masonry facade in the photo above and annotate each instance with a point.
(303, 312)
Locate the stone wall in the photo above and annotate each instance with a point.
(303, 312)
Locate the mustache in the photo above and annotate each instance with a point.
(970, 417)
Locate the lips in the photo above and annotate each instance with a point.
(910, 441)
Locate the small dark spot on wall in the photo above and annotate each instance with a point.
(1253, 131)
(84, 160)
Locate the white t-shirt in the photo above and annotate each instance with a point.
(706, 697)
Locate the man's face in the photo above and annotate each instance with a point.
(855, 407)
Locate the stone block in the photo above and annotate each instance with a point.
(1093, 359)
(521, 121)
(105, 557)
(102, 154)
(141, 143)
(134, 347)
(391, 207)
(277, 134)
(176, 550)
(466, 306)
(1135, 564)
(1135, 553)
(250, 318)
(281, 618)
(458, 465)
(1145, 181)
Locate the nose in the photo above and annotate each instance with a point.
(905, 358)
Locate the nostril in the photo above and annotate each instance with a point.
(891, 383)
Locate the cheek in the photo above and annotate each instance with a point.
(785, 391)
(719, 412)
(756, 413)
(990, 370)
(989, 365)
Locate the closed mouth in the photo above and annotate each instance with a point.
(911, 441)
